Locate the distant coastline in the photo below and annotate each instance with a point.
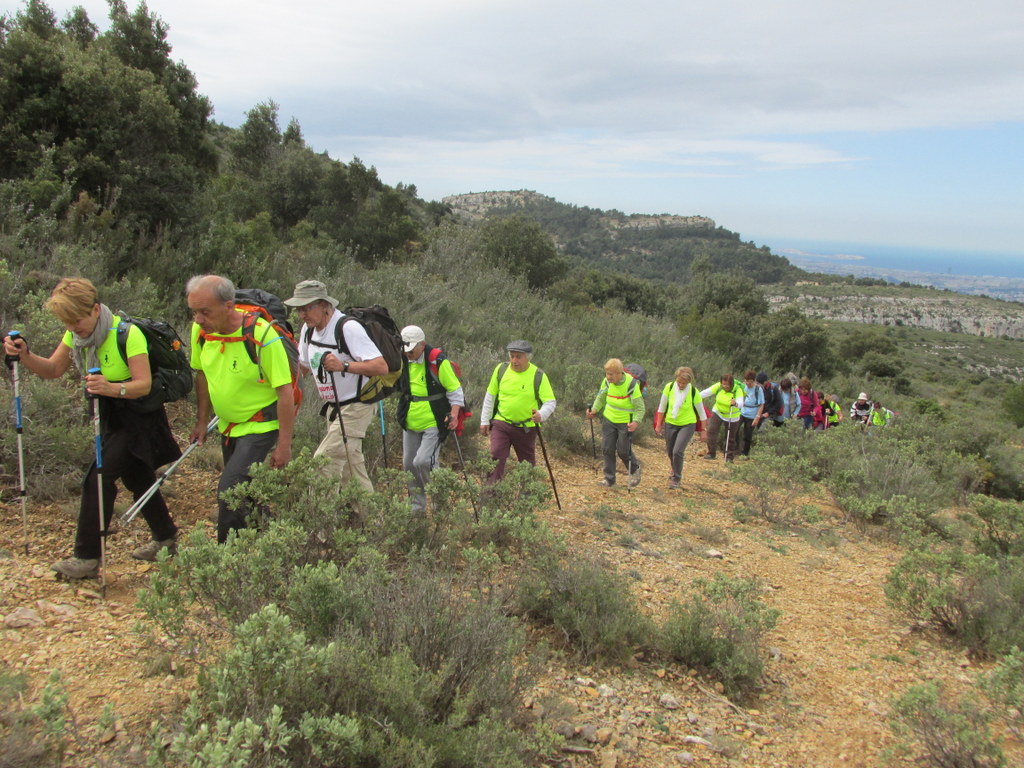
(992, 274)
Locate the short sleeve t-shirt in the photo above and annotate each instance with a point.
(515, 394)
(360, 349)
(112, 365)
(237, 390)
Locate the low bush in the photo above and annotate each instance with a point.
(972, 597)
(775, 483)
(589, 603)
(1004, 684)
(943, 731)
(720, 630)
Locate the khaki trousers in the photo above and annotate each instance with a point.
(346, 461)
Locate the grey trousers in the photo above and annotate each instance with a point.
(676, 440)
(616, 440)
(419, 457)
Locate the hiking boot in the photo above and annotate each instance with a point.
(710, 456)
(634, 479)
(148, 552)
(673, 484)
(606, 483)
(77, 568)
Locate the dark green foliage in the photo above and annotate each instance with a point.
(1013, 404)
(521, 246)
(123, 122)
(720, 629)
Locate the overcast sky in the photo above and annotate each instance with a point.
(877, 122)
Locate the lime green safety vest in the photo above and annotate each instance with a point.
(722, 398)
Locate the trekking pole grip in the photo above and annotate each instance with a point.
(14, 336)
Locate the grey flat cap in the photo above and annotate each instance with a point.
(519, 346)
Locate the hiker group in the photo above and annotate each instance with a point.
(247, 363)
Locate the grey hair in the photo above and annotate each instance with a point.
(222, 288)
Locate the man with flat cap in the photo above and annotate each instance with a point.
(339, 359)
(519, 397)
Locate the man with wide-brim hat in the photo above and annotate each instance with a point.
(519, 397)
(340, 355)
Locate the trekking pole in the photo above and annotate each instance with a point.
(13, 364)
(629, 459)
(462, 461)
(551, 474)
(593, 440)
(94, 413)
(383, 435)
(140, 502)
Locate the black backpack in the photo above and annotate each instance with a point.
(168, 362)
(384, 333)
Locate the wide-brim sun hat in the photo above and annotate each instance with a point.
(308, 291)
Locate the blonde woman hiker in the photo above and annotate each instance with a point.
(620, 403)
(133, 443)
(679, 414)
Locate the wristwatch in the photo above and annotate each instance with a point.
(345, 367)
(123, 392)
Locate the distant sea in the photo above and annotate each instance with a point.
(861, 259)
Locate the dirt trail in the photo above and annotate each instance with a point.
(839, 654)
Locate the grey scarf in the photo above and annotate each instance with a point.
(93, 340)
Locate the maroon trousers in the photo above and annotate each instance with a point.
(505, 437)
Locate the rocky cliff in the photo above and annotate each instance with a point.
(941, 313)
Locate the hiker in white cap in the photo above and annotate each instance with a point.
(860, 409)
(430, 401)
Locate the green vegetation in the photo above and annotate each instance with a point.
(720, 630)
(404, 641)
(947, 732)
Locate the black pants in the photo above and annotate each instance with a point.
(137, 476)
(239, 453)
(746, 434)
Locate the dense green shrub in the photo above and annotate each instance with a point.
(945, 732)
(589, 603)
(973, 597)
(720, 629)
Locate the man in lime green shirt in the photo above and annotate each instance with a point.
(429, 402)
(254, 403)
(620, 403)
(519, 397)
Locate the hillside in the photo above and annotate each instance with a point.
(912, 307)
(838, 654)
(656, 247)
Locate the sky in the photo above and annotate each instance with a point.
(786, 121)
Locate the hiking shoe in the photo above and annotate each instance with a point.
(710, 456)
(673, 484)
(148, 552)
(606, 483)
(77, 568)
(634, 479)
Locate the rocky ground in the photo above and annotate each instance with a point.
(838, 655)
